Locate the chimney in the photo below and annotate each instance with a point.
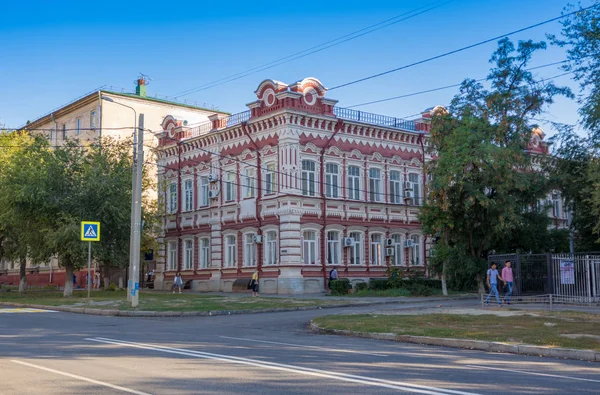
(140, 89)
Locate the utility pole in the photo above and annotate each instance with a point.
(137, 213)
(133, 195)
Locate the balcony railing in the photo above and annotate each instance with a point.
(236, 119)
(376, 119)
(199, 130)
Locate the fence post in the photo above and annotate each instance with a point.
(481, 295)
(550, 301)
(549, 282)
(519, 284)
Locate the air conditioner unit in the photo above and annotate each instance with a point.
(257, 239)
(389, 242)
(348, 241)
(389, 251)
(408, 186)
(408, 243)
(409, 201)
(213, 177)
(213, 194)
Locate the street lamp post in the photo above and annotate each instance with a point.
(133, 195)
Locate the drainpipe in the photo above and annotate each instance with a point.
(420, 140)
(338, 126)
(55, 128)
(258, 194)
(178, 211)
(100, 120)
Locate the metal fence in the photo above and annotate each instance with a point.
(559, 278)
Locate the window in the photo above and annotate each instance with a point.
(354, 182)
(204, 253)
(271, 248)
(398, 250)
(356, 249)
(51, 136)
(64, 131)
(376, 250)
(172, 256)
(78, 126)
(309, 247)
(172, 198)
(556, 212)
(413, 178)
(230, 187)
(375, 185)
(230, 251)
(308, 178)
(333, 248)
(249, 250)
(249, 182)
(415, 250)
(203, 191)
(188, 255)
(188, 188)
(270, 186)
(93, 119)
(331, 180)
(395, 187)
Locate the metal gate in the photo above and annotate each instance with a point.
(530, 272)
(576, 277)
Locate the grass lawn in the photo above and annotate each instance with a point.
(155, 301)
(556, 329)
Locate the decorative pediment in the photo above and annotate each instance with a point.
(267, 90)
(377, 157)
(311, 148)
(333, 151)
(355, 154)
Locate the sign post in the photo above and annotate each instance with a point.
(90, 231)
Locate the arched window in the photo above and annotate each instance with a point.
(172, 255)
(204, 253)
(309, 247)
(415, 250)
(249, 250)
(356, 251)
(230, 251)
(377, 249)
(309, 178)
(331, 180)
(398, 250)
(188, 255)
(271, 248)
(333, 248)
(188, 188)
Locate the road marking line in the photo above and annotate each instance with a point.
(397, 385)
(24, 310)
(534, 373)
(306, 346)
(74, 376)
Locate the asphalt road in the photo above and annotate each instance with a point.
(63, 353)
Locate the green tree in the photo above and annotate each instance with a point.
(578, 166)
(483, 180)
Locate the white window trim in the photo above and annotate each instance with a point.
(201, 264)
(315, 182)
(381, 179)
(398, 198)
(172, 262)
(227, 184)
(329, 187)
(249, 186)
(185, 255)
(316, 243)
(382, 257)
(339, 246)
(226, 251)
(398, 250)
(417, 248)
(172, 203)
(249, 261)
(360, 181)
(273, 177)
(187, 208)
(266, 244)
(362, 248)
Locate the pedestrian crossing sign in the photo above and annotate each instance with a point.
(90, 231)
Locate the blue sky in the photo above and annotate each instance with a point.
(53, 52)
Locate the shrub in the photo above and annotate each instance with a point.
(361, 286)
(379, 284)
(340, 286)
(112, 288)
(417, 289)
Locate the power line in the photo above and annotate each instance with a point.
(317, 48)
(440, 88)
(462, 49)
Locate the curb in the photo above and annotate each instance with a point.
(524, 349)
(126, 313)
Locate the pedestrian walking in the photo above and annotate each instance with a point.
(333, 275)
(492, 282)
(507, 276)
(254, 283)
(177, 282)
(96, 280)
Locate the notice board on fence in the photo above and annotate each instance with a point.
(567, 272)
